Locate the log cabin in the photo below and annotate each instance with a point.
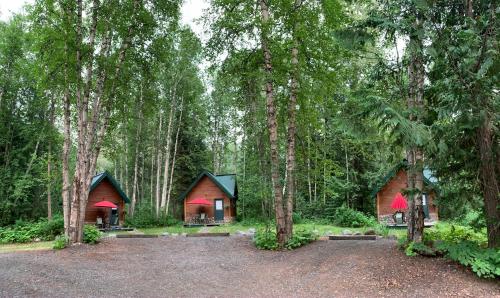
(396, 181)
(210, 199)
(105, 188)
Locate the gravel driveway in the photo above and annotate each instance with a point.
(232, 267)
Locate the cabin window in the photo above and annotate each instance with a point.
(425, 205)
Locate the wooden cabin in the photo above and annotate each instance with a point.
(210, 199)
(396, 182)
(105, 188)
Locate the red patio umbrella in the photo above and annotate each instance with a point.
(105, 204)
(399, 202)
(200, 201)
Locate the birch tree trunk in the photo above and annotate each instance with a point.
(290, 164)
(136, 158)
(126, 164)
(66, 187)
(175, 153)
(167, 156)
(272, 126)
(309, 184)
(49, 163)
(158, 167)
(90, 131)
(151, 179)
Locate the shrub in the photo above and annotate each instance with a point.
(485, 262)
(91, 234)
(60, 242)
(382, 230)
(347, 217)
(22, 231)
(297, 217)
(454, 234)
(50, 229)
(461, 244)
(266, 239)
(474, 219)
(300, 238)
(414, 248)
(145, 217)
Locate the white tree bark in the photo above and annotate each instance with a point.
(136, 158)
(158, 167)
(167, 155)
(179, 122)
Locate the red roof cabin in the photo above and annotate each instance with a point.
(210, 199)
(105, 188)
(388, 196)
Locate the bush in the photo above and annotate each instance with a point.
(485, 262)
(414, 248)
(22, 231)
(454, 234)
(300, 238)
(91, 234)
(382, 230)
(474, 219)
(60, 242)
(461, 244)
(266, 239)
(297, 217)
(347, 217)
(145, 217)
(50, 229)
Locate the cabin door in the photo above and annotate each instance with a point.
(114, 217)
(219, 209)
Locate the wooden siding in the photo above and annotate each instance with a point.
(208, 190)
(389, 191)
(104, 192)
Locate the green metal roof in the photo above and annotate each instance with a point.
(226, 183)
(429, 180)
(97, 179)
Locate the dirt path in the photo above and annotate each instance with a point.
(232, 267)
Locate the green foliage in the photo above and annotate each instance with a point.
(300, 238)
(25, 130)
(266, 239)
(60, 242)
(297, 217)
(347, 217)
(414, 248)
(23, 231)
(382, 230)
(461, 244)
(91, 234)
(485, 262)
(453, 233)
(145, 217)
(474, 219)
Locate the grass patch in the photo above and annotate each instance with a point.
(43, 245)
(322, 229)
(235, 227)
(171, 230)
